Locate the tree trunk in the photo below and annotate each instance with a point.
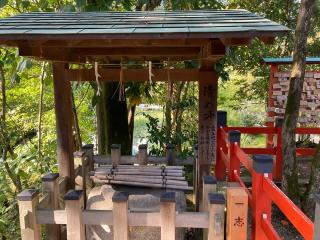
(168, 110)
(290, 173)
(40, 110)
(117, 120)
(131, 121)
(101, 121)
(76, 123)
(180, 118)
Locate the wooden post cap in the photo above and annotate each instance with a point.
(50, 177)
(87, 146)
(73, 195)
(28, 194)
(262, 163)
(216, 198)
(115, 146)
(221, 118)
(234, 136)
(120, 197)
(168, 197)
(317, 198)
(279, 121)
(143, 146)
(209, 179)
(170, 146)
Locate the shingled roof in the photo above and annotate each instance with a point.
(210, 24)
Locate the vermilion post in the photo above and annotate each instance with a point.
(261, 203)
(273, 80)
(279, 159)
(220, 168)
(234, 162)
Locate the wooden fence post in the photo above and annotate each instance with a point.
(220, 168)
(80, 159)
(50, 185)
(234, 162)
(261, 203)
(143, 154)
(28, 201)
(88, 149)
(120, 216)
(74, 206)
(168, 215)
(279, 159)
(170, 154)
(209, 186)
(216, 216)
(237, 213)
(316, 234)
(115, 154)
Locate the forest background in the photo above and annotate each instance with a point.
(27, 125)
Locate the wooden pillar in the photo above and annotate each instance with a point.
(168, 215)
(194, 174)
(143, 154)
(74, 206)
(234, 162)
(50, 184)
(63, 110)
(216, 216)
(170, 154)
(208, 84)
(115, 154)
(316, 234)
(120, 216)
(270, 107)
(28, 201)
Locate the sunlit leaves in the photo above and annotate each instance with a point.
(3, 3)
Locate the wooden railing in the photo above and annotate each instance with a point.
(35, 212)
(273, 147)
(142, 157)
(263, 192)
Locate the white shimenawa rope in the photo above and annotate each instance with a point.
(97, 75)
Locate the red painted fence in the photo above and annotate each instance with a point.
(263, 192)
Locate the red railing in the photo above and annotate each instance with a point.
(275, 150)
(263, 192)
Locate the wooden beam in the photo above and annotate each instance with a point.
(132, 75)
(40, 51)
(124, 43)
(236, 41)
(63, 110)
(215, 50)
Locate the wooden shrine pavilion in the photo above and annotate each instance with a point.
(86, 37)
